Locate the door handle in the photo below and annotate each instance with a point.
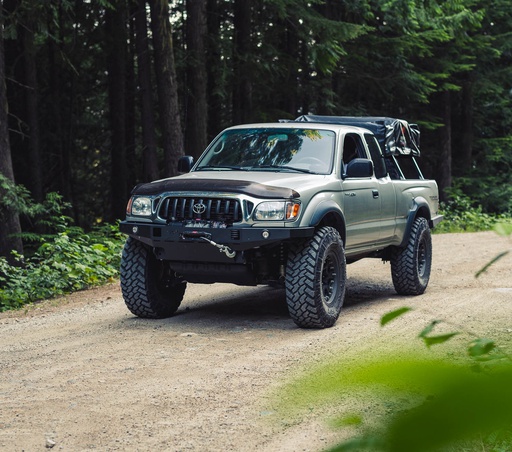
(375, 193)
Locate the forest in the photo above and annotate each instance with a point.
(97, 96)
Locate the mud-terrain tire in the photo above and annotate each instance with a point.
(316, 275)
(410, 266)
(150, 288)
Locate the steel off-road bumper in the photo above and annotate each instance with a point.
(223, 245)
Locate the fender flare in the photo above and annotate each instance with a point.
(420, 208)
(332, 211)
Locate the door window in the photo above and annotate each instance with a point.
(352, 149)
(378, 160)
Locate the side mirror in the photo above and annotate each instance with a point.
(359, 168)
(185, 164)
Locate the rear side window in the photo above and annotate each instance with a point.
(409, 167)
(376, 154)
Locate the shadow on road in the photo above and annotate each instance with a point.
(253, 307)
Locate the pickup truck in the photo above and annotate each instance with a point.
(289, 203)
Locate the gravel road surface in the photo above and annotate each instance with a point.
(81, 373)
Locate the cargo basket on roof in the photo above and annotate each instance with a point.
(395, 136)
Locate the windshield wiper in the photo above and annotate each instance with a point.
(284, 167)
(222, 167)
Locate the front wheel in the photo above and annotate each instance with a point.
(410, 266)
(316, 275)
(150, 288)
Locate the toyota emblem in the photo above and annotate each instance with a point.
(199, 208)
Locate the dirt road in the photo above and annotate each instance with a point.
(82, 373)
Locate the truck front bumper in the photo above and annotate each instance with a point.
(179, 243)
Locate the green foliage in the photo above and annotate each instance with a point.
(432, 403)
(462, 403)
(16, 198)
(393, 315)
(462, 215)
(47, 217)
(62, 259)
(481, 348)
(489, 183)
(69, 261)
(433, 340)
(458, 405)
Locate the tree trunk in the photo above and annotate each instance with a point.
(242, 88)
(167, 87)
(288, 46)
(149, 142)
(332, 10)
(116, 65)
(8, 216)
(196, 126)
(34, 161)
(444, 164)
(215, 85)
(133, 168)
(465, 152)
(61, 176)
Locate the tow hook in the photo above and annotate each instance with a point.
(222, 248)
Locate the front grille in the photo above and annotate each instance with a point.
(223, 210)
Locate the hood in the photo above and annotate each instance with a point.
(257, 184)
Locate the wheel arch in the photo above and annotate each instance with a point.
(420, 209)
(329, 213)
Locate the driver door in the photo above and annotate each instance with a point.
(361, 199)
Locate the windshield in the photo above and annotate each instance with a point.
(268, 149)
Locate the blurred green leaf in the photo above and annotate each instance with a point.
(353, 419)
(357, 444)
(438, 403)
(491, 262)
(433, 340)
(504, 229)
(386, 318)
(481, 346)
(429, 328)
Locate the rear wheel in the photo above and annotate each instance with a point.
(315, 280)
(150, 288)
(410, 266)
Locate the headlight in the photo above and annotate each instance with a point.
(277, 211)
(139, 206)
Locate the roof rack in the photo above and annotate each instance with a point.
(395, 136)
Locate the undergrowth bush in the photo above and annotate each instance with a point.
(61, 259)
(462, 215)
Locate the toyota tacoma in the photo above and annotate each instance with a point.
(289, 203)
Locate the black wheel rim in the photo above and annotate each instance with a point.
(422, 258)
(330, 278)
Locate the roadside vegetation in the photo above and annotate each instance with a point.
(64, 262)
(58, 257)
(463, 214)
